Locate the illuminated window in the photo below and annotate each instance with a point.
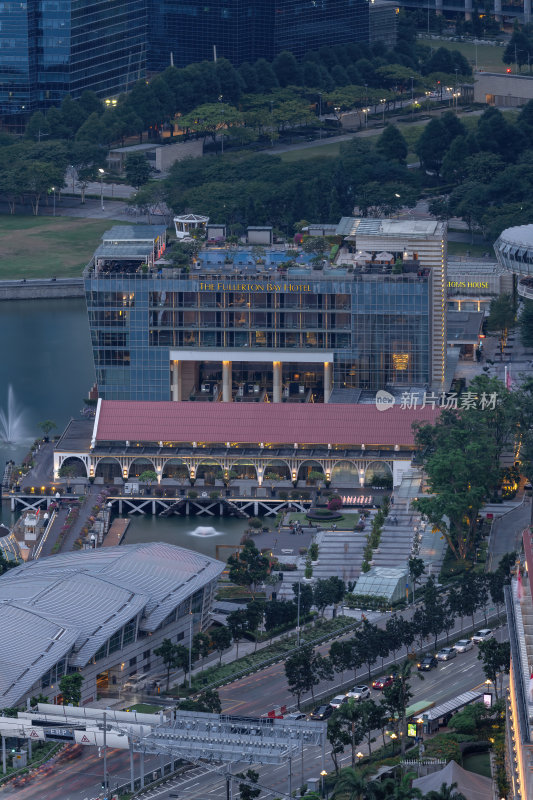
(400, 361)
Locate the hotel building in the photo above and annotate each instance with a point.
(271, 325)
(519, 606)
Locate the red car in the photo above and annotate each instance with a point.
(382, 683)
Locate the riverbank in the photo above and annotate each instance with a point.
(41, 289)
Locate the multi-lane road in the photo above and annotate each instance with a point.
(252, 695)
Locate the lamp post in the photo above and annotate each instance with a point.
(393, 736)
(320, 114)
(323, 775)
(359, 756)
(102, 173)
(54, 191)
(383, 104)
(412, 94)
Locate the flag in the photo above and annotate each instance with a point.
(531, 688)
(519, 587)
(508, 380)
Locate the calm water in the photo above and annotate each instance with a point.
(47, 359)
(196, 533)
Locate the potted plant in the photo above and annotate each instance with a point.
(148, 476)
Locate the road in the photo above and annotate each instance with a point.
(253, 695)
(447, 681)
(80, 779)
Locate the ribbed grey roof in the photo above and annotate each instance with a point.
(90, 595)
(30, 646)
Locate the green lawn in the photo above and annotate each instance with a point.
(145, 708)
(346, 522)
(461, 249)
(325, 150)
(43, 247)
(478, 762)
(488, 58)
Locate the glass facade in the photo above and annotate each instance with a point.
(51, 48)
(376, 326)
(245, 30)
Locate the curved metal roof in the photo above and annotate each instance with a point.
(74, 602)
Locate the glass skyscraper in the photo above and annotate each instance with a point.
(51, 48)
(232, 329)
(245, 30)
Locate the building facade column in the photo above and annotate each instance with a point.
(498, 10)
(468, 10)
(175, 367)
(226, 382)
(276, 381)
(328, 380)
(527, 12)
(438, 7)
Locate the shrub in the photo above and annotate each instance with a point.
(334, 504)
(255, 522)
(365, 566)
(193, 494)
(313, 551)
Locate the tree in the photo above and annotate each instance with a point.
(248, 567)
(371, 642)
(402, 789)
(37, 178)
(210, 119)
(351, 784)
(148, 476)
(348, 714)
(396, 698)
(306, 597)
(327, 592)
(207, 701)
(70, 688)
(137, 169)
(304, 670)
(201, 645)
(286, 69)
(338, 738)
(526, 324)
(501, 316)
(36, 699)
(182, 659)
(247, 790)
(430, 148)
(416, 570)
(399, 633)
(433, 611)
(370, 718)
(495, 658)
(221, 639)
(67, 471)
(447, 791)
(392, 145)
(237, 623)
(46, 427)
(167, 651)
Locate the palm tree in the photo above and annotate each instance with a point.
(401, 789)
(446, 792)
(351, 785)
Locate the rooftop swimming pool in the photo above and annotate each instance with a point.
(244, 259)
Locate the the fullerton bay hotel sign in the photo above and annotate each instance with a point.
(223, 286)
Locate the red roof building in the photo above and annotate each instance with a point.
(269, 423)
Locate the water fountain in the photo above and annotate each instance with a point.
(205, 532)
(12, 423)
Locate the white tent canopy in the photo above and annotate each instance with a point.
(384, 256)
(470, 784)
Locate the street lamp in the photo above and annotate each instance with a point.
(383, 103)
(393, 736)
(320, 114)
(360, 755)
(323, 775)
(102, 173)
(54, 191)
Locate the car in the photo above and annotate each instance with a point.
(338, 701)
(427, 662)
(382, 683)
(294, 715)
(446, 653)
(463, 645)
(359, 692)
(482, 635)
(321, 712)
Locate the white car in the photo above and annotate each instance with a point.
(463, 645)
(338, 701)
(446, 653)
(359, 692)
(482, 635)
